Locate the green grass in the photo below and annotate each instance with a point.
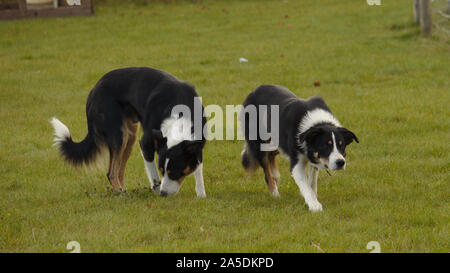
(380, 77)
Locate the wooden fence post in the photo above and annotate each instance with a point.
(416, 8)
(425, 17)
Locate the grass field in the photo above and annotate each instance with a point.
(379, 76)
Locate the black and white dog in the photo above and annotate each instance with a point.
(121, 100)
(309, 135)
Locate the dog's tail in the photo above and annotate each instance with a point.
(249, 162)
(77, 154)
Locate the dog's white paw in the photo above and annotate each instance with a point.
(156, 187)
(275, 193)
(201, 194)
(315, 206)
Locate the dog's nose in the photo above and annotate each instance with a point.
(340, 163)
(163, 193)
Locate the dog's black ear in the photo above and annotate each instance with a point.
(192, 146)
(309, 135)
(348, 135)
(159, 139)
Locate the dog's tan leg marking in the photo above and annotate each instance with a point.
(270, 180)
(129, 131)
(113, 172)
(273, 166)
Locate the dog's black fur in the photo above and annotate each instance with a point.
(292, 109)
(130, 96)
(314, 143)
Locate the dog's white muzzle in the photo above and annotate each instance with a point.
(169, 186)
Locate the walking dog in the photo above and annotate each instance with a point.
(120, 101)
(309, 135)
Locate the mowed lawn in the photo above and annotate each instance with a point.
(379, 76)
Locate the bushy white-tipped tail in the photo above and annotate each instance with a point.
(61, 131)
(84, 152)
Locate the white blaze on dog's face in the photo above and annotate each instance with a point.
(325, 146)
(336, 160)
(178, 154)
(179, 162)
(169, 186)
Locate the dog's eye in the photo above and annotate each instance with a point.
(330, 142)
(340, 142)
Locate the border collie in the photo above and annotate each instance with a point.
(120, 101)
(309, 135)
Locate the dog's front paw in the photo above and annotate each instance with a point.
(315, 206)
(156, 186)
(201, 194)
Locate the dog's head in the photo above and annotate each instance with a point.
(325, 145)
(176, 162)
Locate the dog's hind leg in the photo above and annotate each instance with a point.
(273, 166)
(114, 167)
(129, 130)
(268, 175)
(110, 119)
(117, 143)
